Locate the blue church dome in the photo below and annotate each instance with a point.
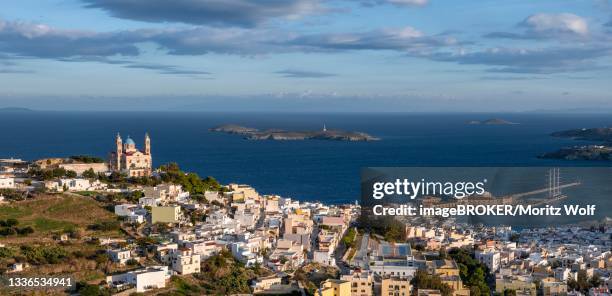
(129, 141)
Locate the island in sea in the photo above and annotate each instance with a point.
(280, 135)
(492, 121)
(584, 152)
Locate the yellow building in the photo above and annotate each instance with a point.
(454, 281)
(552, 287)
(522, 285)
(333, 287)
(429, 292)
(362, 282)
(446, 268)
(169, 214)
(395, 287)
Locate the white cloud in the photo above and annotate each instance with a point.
(409, 2)
(394, 2)
(557, 23)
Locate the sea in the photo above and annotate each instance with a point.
(313, 170)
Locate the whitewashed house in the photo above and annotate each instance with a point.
(7, 183)
(146, 279)
(185, 262)
(120, 256)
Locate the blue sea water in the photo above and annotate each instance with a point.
(308, 170)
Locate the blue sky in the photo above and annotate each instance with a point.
(306, 55)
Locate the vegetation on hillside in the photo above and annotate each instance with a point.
(423, 280)
(385, 226)
(349, 238)
(583, 283)
(191, 182)
(472, 272)
(87, 159)
(50, 174)
(9, 227)
(12, 194)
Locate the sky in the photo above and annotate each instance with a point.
(307, 55)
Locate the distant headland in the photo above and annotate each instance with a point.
(282, 135)
(492, 121)
(15, 109)
(600, 134)
(584, 152)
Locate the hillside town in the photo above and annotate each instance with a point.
(174, 232)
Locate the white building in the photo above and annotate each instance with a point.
(163, 252)
(17, 267)
(212, 196)
(272, 204)
(185, 262)
(143, 280)
(266, 283)
(562, 274)
(166, 192)
(80, 185)
(120, 256)
(241, 252)
(204, 248)
(327, 243)
(125, 210)
(149, 201)
(287, 255)
(394, 267)
(247, 219)
(489, 257)
(395, 260)
(7, 183)
(182, 236)
(136, 218)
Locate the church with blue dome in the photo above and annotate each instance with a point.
(129, 160)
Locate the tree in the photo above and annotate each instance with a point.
(6, 252)
(423, 280)
(190, 181)
(71, 174)
(349, 238)
(85, 289)
(472, 272)
(11, 222)
(25, 231)
(595, 281)
(582, 280)
(90, 174)
(87, 159)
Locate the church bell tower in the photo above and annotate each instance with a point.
(119, 144)
(147, 144)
